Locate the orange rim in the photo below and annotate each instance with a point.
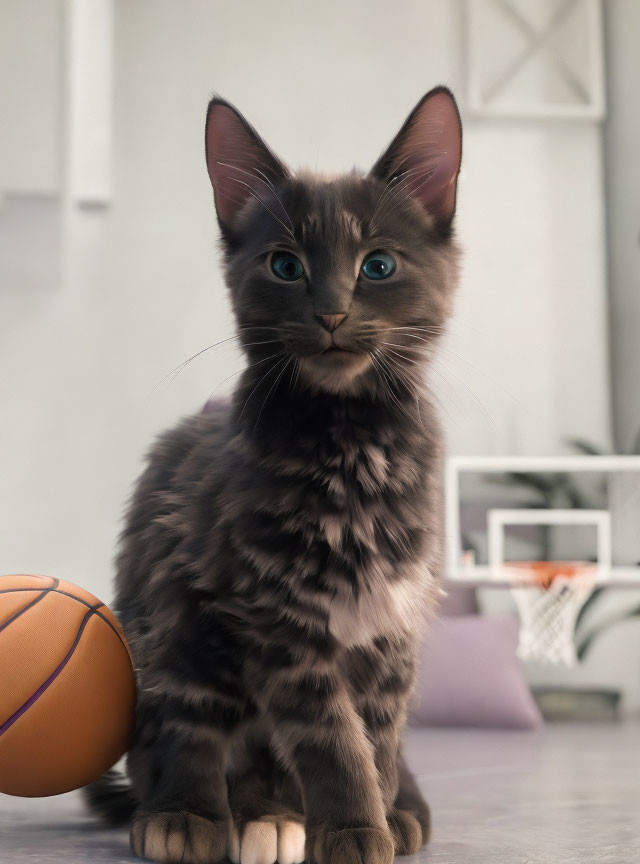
(543, 573)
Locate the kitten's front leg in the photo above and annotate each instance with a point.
(177, 766)
(381, 676)
(321, 734)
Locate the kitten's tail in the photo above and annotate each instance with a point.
(111, 798)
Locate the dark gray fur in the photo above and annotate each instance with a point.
(279, 559)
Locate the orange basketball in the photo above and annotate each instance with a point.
(67, 691)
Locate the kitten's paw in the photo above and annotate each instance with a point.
(406, 831)
(266, 840)
(352, 846)
(422, 813)
(179, 838)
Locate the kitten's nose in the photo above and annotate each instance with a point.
(330, 322)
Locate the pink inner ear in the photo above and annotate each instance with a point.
(427, 158)
(240, 166)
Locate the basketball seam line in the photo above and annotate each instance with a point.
(44, 591)
(54, 584)
(73, 597)
(45, 686)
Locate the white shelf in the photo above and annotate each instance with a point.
(488, 464)
(617, 577)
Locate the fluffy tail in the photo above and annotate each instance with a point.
(111, 798)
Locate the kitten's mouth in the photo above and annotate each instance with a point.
(335, 368)
(335, 350)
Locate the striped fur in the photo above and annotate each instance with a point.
(280, 557)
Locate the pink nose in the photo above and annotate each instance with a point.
(330, 322)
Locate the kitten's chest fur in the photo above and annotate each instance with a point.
(357, 488)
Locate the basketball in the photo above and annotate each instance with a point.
(67, 690)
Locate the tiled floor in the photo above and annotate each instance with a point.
(568, 795)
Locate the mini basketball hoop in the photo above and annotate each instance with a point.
(549, 596)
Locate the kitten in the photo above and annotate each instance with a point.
(279, 558)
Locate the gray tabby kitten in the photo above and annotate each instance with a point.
(279, 557)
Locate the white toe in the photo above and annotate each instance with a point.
(259, 843)
(291, 838)
(234, 845)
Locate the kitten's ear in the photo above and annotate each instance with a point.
(239, 163)
(424, 157)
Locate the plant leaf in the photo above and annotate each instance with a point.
(584, 646)
(593, 598)
(586, 447)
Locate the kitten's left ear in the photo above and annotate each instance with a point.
(424, 157)
(240, 164)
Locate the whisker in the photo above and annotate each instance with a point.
(263, 179)
(440, 403)
(446, 350)
(184, 363)
(450, 371)
(266, 207)
(471, 393)
(280, 374)
(424, 178)
(381, 374)
(268, 372)
(394, 187)
(240, 371)
(409, 382)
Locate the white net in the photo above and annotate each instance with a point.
(548, 617)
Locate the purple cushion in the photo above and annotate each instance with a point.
(471, 676)
(458, 600)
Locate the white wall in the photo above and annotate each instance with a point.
(531, 316)
(31, 49)
(328, 85)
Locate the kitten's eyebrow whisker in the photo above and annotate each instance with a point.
(266, 207)
(394, 187)
(378, 202)
(273, 189)
(263, 179)
(416, 188)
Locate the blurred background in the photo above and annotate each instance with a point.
(110, 271)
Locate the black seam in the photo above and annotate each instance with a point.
(55, 588)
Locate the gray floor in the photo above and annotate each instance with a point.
(566, 795)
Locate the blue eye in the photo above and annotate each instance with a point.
(286, 266)
(378, 265)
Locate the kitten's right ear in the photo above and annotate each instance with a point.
(239, 163)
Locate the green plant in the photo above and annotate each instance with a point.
(584, 644)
